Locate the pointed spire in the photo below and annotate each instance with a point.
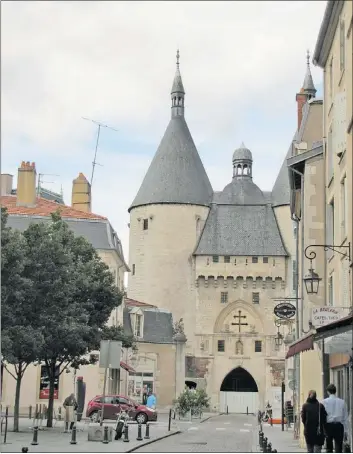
(308, 85)
(178, 92)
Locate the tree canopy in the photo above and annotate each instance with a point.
(65, 297)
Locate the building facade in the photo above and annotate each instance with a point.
(219, 261)
(27, 204)
(325, 337)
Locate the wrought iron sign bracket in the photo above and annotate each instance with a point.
(312, 254)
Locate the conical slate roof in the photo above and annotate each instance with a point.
(281, 190)
(308, 84)
(176, 174)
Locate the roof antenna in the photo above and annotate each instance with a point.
(40, 180)
(100, 125)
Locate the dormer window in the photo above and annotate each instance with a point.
(138, 325)
(136, 319)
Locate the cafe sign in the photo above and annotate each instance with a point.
(321, 316)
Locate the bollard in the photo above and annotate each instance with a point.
(73, 436)
(227, 409)
(105, 436)
(139, 433)
(35, 436)
(264, 445)
(30, 412)
(6, 423)
(24, 449)
(247, 410)
(169, 420)
(269, 447)
(126, 433)
(147, 435)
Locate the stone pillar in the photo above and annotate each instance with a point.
(180, 341)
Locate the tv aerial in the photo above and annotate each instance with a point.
(100, 125)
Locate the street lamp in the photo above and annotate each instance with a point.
(312, 279)
(278, 339)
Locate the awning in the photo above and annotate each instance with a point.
(340, 326)
(126, 367)
(301, 345)
(341, 343)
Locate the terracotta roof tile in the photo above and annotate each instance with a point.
(45, 208)
(133, 303)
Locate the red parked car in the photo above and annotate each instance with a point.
(113, 404)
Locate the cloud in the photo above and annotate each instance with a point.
(242, 64)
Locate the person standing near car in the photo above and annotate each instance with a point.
(70, 406)
(337, 420)
(314, 420)
(151, 401)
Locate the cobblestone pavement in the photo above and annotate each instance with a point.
(225, 433)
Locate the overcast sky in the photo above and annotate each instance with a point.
(242, 64)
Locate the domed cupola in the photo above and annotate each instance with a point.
(242, 162)
(242, 190)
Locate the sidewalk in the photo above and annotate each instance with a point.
(55, 440)
(282, 441)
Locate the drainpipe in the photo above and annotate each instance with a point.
(302, 250)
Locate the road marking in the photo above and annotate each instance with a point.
(220, 428)
(227, 423)
(193, 428)
(244, 430)
(249, 425)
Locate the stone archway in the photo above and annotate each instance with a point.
(239, 392)
(239, 380)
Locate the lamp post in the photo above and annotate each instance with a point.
(312, 281)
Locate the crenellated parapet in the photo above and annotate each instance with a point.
(245, 282)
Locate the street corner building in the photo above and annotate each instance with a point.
(31, 203)
(321, 176)
(219, 262)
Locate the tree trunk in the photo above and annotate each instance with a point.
(16, 415)
(51, 373)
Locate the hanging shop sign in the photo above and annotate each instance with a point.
(321, 316)
(284, 310)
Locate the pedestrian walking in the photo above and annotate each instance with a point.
(314, 420)
(70, 406)
(337, 420)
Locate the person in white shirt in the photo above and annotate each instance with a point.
(337, 420)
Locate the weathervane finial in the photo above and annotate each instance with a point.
(308, 57)
(177, 58)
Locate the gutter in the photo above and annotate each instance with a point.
(327, 32)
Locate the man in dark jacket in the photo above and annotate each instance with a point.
(314, 420)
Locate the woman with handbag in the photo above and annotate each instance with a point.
(314, 420)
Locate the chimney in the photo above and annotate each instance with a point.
(81, 194)
(301, 99)
(26, 184)
(6, 184)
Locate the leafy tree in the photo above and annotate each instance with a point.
(20, 343)
(72, 295)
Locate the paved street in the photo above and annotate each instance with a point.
(226, 433)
